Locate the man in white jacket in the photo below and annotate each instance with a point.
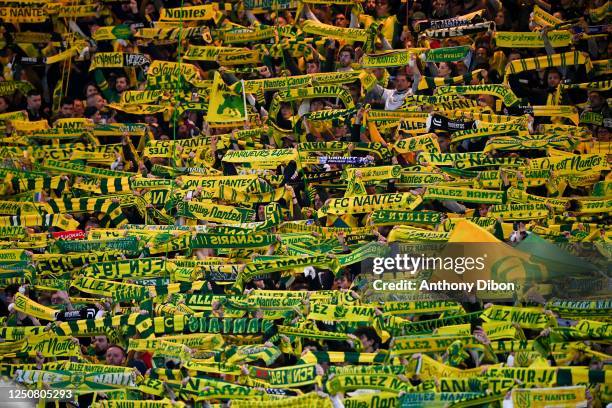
(394, 98)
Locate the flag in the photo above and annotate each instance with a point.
(555, 258)
(57, 91)
(342, 221)
(474, 255)
(355, 187)
(582, 275)
(225, 105)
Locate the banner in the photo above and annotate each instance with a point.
(118, 60)
(214, 212)
(232, 241)
(9, 87)
(365, 204)
(23, 14)
(225, 106)
(204, 12)
(532, 39)
(503, 92)
(543, 397)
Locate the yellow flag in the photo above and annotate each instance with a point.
(479, 259)
(225, 105)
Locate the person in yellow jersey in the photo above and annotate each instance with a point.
(385, 12)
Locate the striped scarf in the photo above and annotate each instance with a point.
(431, 83)
(20, 185)
(461, 30)
(565, 59)
(111, 211)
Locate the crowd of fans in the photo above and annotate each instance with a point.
(96, 94)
